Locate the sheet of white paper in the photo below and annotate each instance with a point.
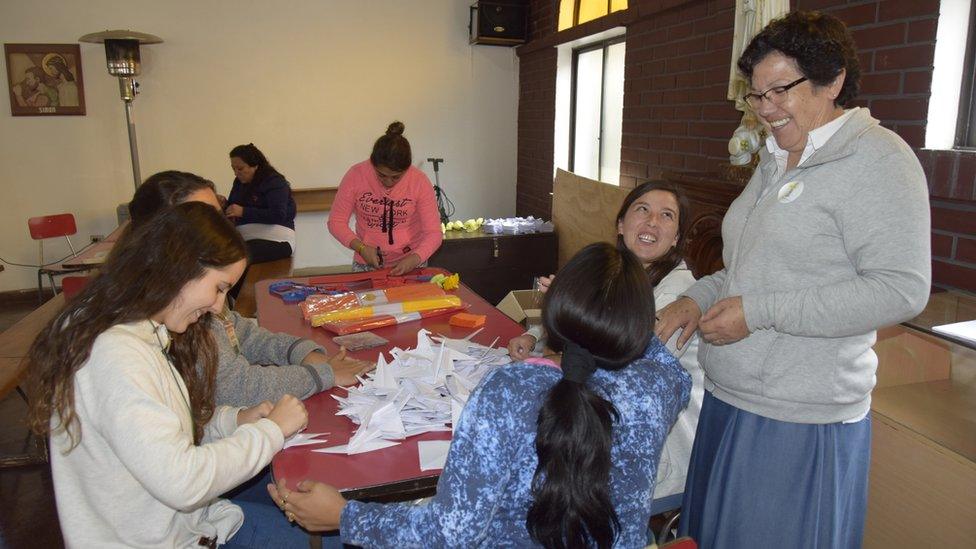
(962, 330)
(433, 453)
(303, 439)
(368, 447)
(384, 376)
(456, 407)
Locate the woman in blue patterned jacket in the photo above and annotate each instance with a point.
(542, 455)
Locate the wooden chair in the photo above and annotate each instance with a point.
(703, 252)
(669, 507)
(72, 285)
(52, 226)
(246, 303)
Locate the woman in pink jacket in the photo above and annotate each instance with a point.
(397, 224)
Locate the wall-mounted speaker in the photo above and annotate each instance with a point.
(498, 23)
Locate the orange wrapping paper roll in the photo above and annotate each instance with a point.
(411, 306)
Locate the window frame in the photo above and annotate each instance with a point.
(966, 121)
(576, 13)
(601, 45)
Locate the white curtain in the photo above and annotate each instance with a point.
(750, 17)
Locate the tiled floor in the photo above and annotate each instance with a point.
(28, 518)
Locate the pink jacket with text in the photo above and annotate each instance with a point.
(401, 220)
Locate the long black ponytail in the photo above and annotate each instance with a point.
(599, 312)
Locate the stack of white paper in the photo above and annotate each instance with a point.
(517, 225)
(420, 390)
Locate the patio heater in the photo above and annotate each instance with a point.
(122, 58)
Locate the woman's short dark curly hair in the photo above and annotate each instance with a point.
(820, 44)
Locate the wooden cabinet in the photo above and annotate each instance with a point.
(493, 265)
(922, 489)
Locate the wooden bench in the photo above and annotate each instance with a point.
(246, 303)
(15, 342)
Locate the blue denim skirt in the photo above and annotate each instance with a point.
(758, 482)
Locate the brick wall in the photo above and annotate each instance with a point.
(676, 76)
(536, 115)
(536, 119)
(676, 116)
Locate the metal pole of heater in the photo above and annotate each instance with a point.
(133, 146)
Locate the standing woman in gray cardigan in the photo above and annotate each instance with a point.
(827, 243)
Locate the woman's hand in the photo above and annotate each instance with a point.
(520, 347)
(725, 322)
(254, 413)
(290, 415)
(234, 210)
(346, 369)
(405, 265)
(316, 506)
(683, 314)
(371, 255)
(542, 283)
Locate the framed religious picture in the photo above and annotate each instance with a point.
(44, 79)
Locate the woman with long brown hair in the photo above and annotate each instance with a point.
(139, 452)
(652, 223)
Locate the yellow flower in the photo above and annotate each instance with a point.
(452, 282)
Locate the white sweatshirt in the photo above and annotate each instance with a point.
(673, 467)
(136, 479)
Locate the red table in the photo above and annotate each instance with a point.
(390, 474)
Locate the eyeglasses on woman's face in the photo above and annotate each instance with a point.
(775, 95)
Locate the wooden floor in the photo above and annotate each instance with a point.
(28, 518)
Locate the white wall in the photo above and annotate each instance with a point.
(311, 82)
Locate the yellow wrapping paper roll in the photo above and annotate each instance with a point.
(413, 306)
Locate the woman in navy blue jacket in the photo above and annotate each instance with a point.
(261, 205)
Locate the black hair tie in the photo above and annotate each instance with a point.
(577, 363)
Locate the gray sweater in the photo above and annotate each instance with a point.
(263, 365)
(820, 268)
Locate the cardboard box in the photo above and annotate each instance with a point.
(522, 306)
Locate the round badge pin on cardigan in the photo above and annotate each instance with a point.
(790, 192)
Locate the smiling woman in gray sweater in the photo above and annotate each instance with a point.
(828, 242)
(253, 364)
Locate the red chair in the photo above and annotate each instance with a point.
(52, 226)
(680, 543)
(72, 285)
